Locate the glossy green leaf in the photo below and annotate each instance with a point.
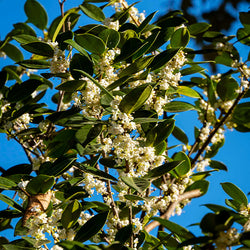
(39, 48)
(83, 73)
(214, 149)
(77, 47)
(80, 62)
(184, 167)
(145, 22)
(235, 193)
(197, 28)
(71, 214)
(192, 70)
(225, 59)
(184, 90)
(135, 99)
(40, 184)
(245, 19)
(180, 38)
(243, 36)
(137, 66)
(202, 185)
(22, 28)
(58, 167)
(138, 184)
(60, 22)
(129, 48)
(91, 43)
(177, 106)
(6, 183)
(241, 114)
(163, 169)
(24, 38)
(16, 247)
(91, 227)
(96, 172)
(180, 135)
(11, 202)
(92, 11)
(71, 86)
(12, 52)
(35, 64)
(162, 58)
(124, 234)
(21, 91)
(217, 165)
(110, 37)
(227, 89)
(174, 228)
(36, 14)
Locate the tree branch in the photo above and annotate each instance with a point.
(187, 195)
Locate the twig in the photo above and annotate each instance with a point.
(187, 195)
(218, 125)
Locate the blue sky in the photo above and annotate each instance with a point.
(235, 154)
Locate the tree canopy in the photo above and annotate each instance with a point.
(93, 107)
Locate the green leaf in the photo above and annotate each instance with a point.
(58, 167)
(91, 227)
(174, 228)
(202, 185)
(137, 66)
(162, 58)
(243, 36)
(11, 202)
(21, 91)
(58, 23)
(184, 90)
(235, 193)
(91, 43)
(138, 184)
(16, 247)
(96, 172)
(163, 169)
(184, 167)
(245, 19)
(92, 11)
(135, 98)
(24, 38)
(180, 135)
(227, 89)
(39, 48)
(77, 47)
(217, 165)
(80, 62)
(12, 52)
(180, 38)
(35, 64)
(124, 234)
(71, 86)
(36, 14)
(71, 214)
(177, 106)
(110, 37)
(40, 184)
(241, 113)
(145, 22)
(198, 28)
(192, 70)
(96, 83)
(6, 183)
(225, 59)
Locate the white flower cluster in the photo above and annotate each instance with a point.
(41, 224)
(59, 62)
(227, 239)
(90, 183)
